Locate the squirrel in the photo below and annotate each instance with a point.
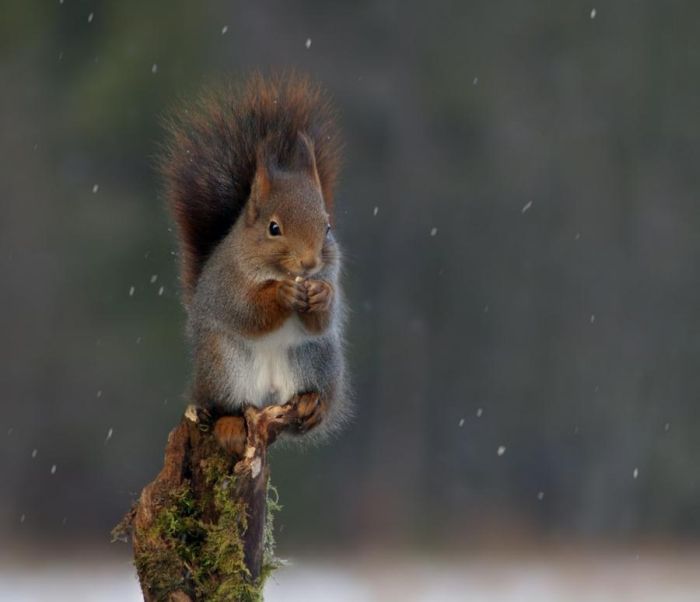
(249, 176)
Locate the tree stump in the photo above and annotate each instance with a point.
(202, 529)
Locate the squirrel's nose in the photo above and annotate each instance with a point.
(308, 264)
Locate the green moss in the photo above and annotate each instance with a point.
(211, 553)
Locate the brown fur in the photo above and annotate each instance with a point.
(217, 146)
(271, 308)
(230, 432)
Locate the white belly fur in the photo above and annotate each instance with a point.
(269, 375)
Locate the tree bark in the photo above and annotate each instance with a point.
(199, 528)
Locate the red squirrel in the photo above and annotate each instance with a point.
(249, 174)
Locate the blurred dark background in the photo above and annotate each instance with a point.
(519, 211)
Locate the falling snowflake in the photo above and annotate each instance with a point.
(635, 473)
(53, 469)
(161, 290)
(592, 318)
(526, 207)
(34, 453)
(91, 16)
(375, 211)
(475, 81)
(154, 68)
(95, 188)
(540, 496)
(22, 518)
(224, 29)
(479, 412)
(501, 450)
(461, 422)
(154, 278)
(110, 432)
(132, 290)
(307, 43)
(594, 12)
(433, 232)
(99, 394)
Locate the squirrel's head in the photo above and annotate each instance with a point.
(285, 218)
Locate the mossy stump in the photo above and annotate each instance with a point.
(202, 529)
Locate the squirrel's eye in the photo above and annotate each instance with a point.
(275, 229)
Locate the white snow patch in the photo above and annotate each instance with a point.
(603, 577)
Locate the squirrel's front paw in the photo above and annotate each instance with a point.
(310, 410)
(230, 433)
(320, 295)
(292, 295)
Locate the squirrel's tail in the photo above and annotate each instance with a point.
(210, 158)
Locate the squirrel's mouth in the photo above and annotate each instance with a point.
(303, 273)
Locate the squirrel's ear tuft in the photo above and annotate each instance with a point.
(259, 189)
(304, 158)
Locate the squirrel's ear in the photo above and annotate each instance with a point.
(259, 190)
(304, 157)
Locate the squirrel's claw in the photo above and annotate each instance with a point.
(310, 410)
(292, 295)
(320, 295)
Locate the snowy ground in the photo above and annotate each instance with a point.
(591, 578)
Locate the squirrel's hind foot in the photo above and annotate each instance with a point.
(310, 411)
(230, 433)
